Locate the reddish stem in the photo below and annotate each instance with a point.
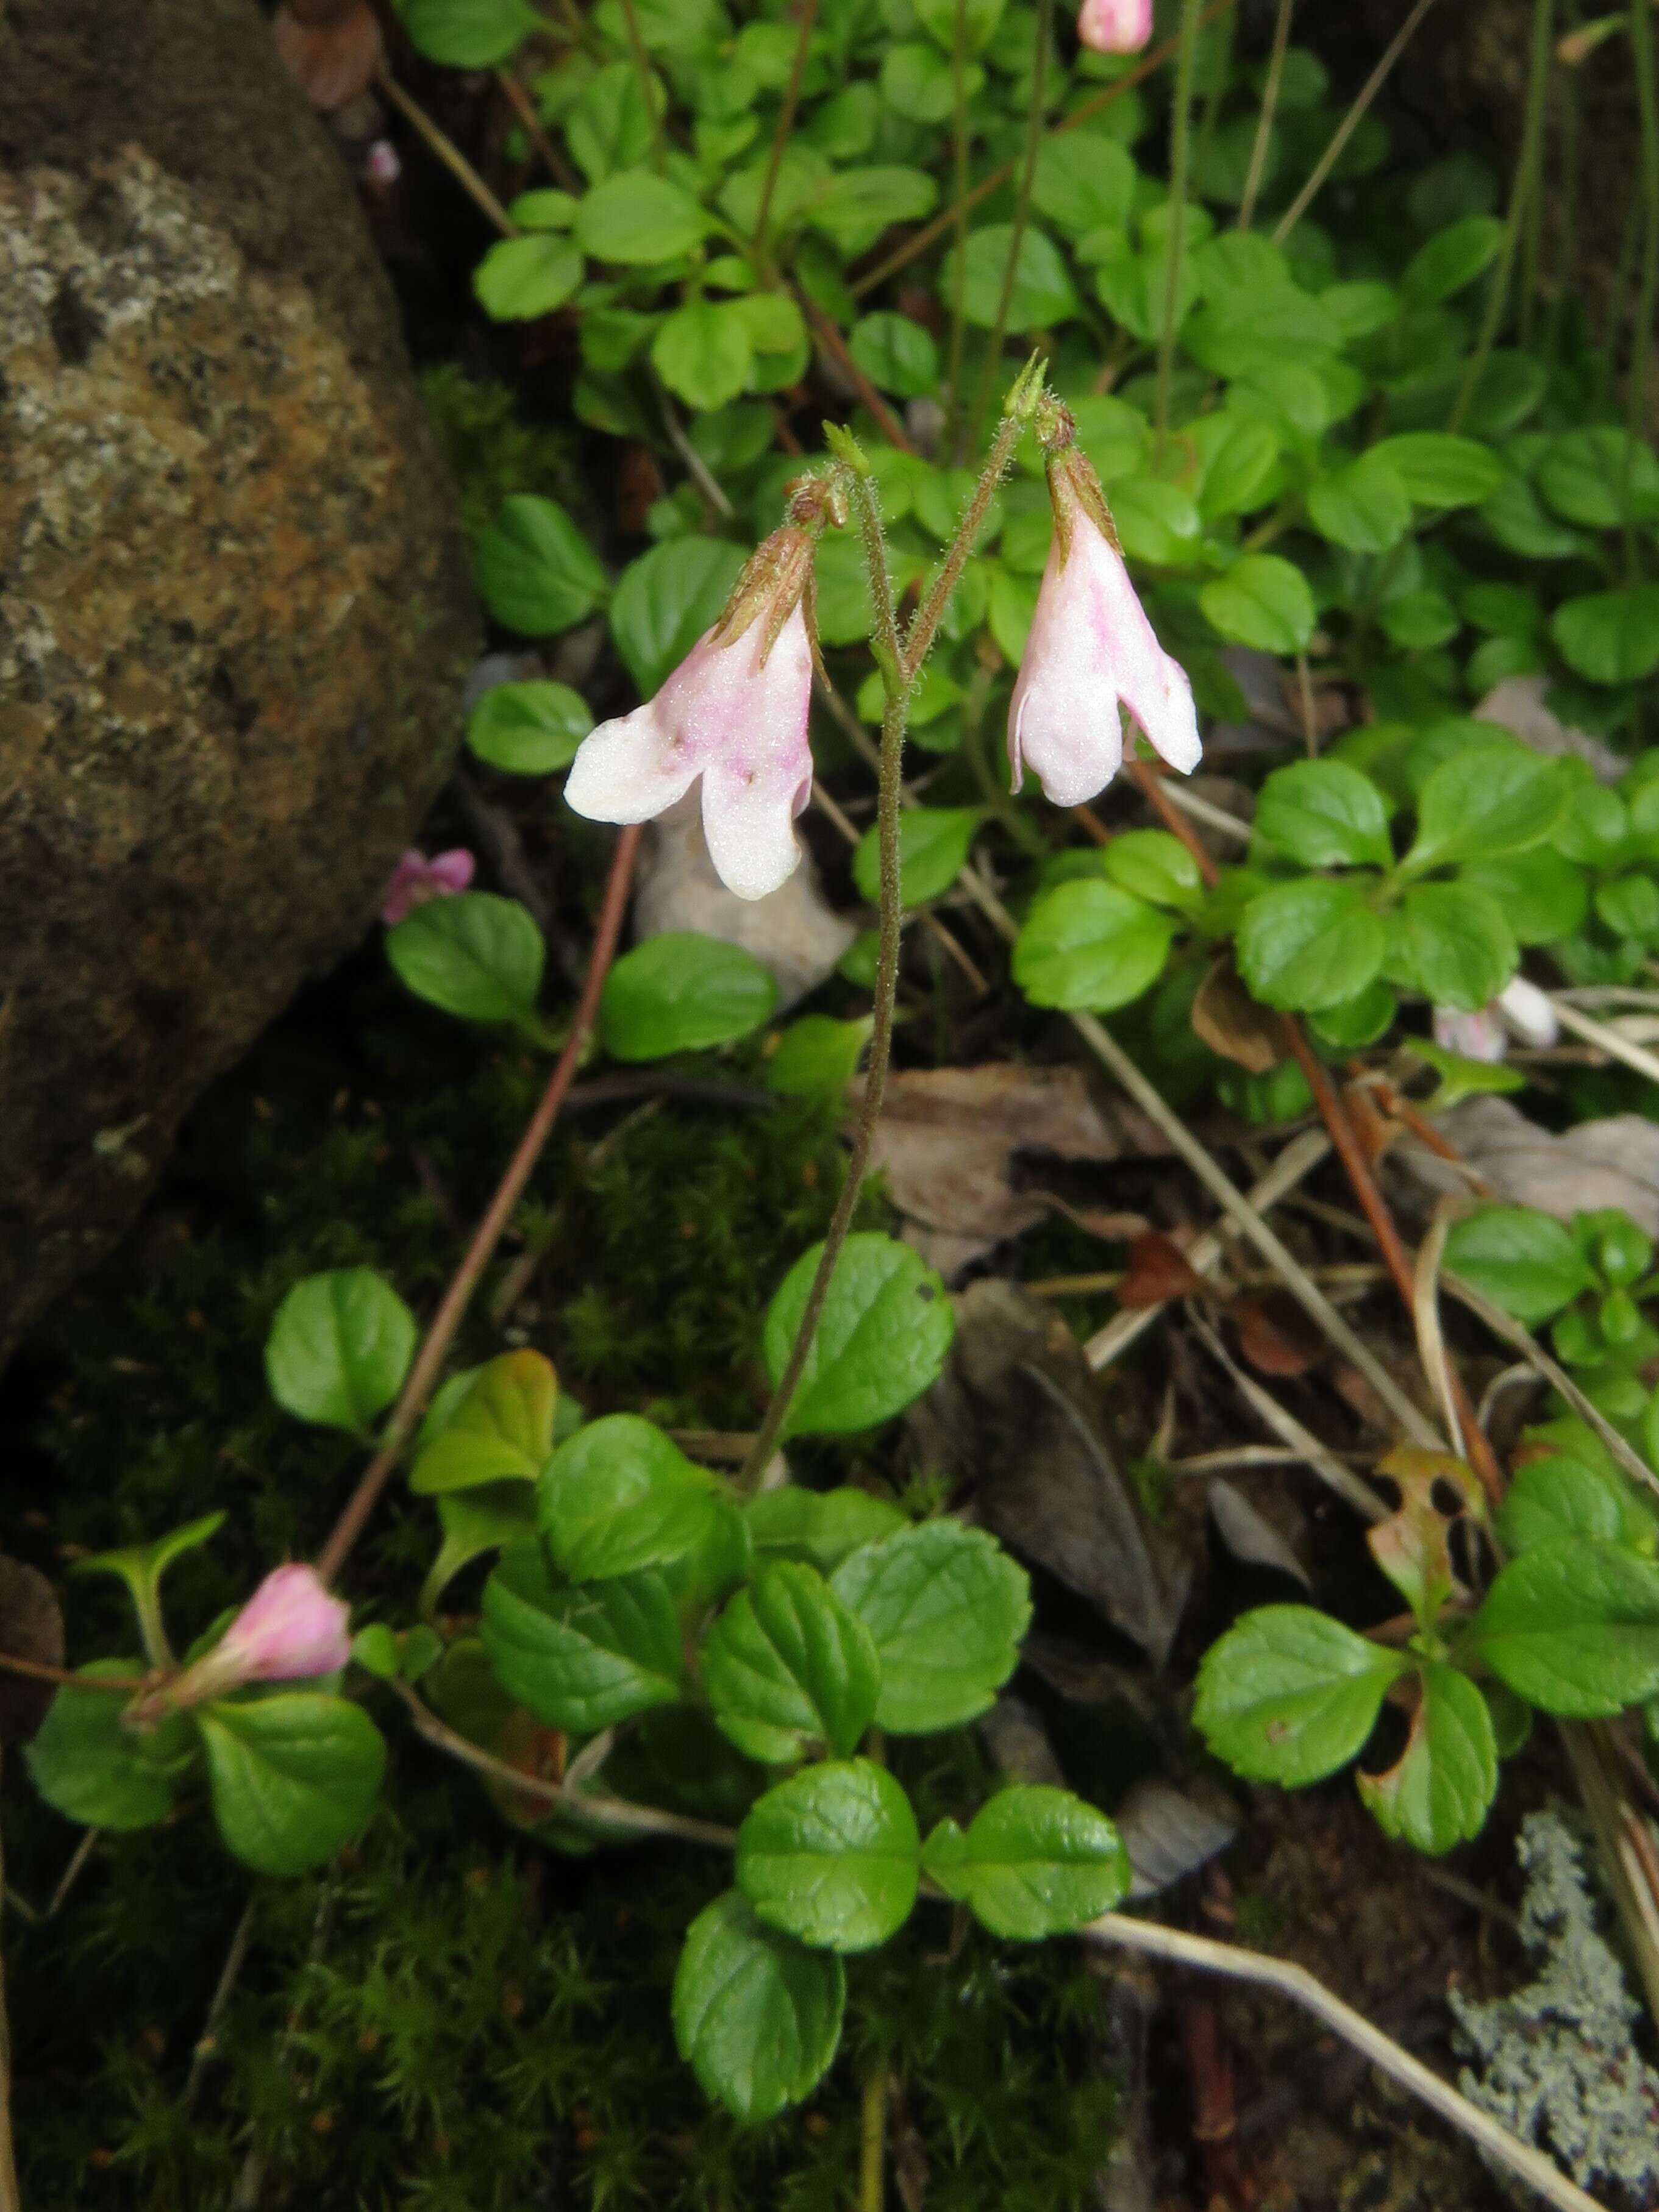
(423, 1374)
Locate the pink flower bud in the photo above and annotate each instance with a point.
(417, 879)
(1115, 27)
(1479, 1036)
(1090, 646)
(381, 166)
(734, 712)
(290, 1628)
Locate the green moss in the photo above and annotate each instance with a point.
(493, 451)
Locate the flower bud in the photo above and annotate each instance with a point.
(415, 879)
(290, 1630)
(1115, 27)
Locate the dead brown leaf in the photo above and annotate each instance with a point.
(950, 1139)
(1228, 1019)
(1614, 1161)
(1275, 1335)
(1158, 1271)
(1019, 1414)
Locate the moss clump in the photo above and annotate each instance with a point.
(492, 451)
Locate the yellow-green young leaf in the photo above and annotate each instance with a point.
(1091, 945)
(1262, 601)
(468, 35)
(292, 1776)
(1306, 946)
(947, 1607)
(820, 1527)
(339, 1348)
(1036, 1861)
(502, 1428)
(817, 1057)
(620, 1496)
(1573, 1628)
(581, 1658)
(682, 993)
(537, 572)
(786, 1665)
(1288, 1695)
(1437, 1793)
(833, 1856)
(933, 849)
(756, 2016)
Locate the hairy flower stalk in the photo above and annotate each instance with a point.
(734, 712)
(1115, 27)
(1091, 647)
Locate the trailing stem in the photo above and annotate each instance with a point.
(1180, 148)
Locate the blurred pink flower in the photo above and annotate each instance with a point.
(415, 879)
(734, 712)
(381, 166)
(1115, 27)
(1090, 646)
(290, 1628)
(1520, 1009)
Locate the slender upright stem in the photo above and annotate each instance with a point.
(1522, 193)
(1260, 144)
(641, 62)
(411, 1399)
(1181, 148)
(1034, 141)
(930, 613)
(889, 802)
(780, 137)
(1647, 289)
(872, 2141)
(448, 153)
(1349, 123)
(956, 420)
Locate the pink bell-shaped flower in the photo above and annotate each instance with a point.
(735, 712)
(290, 1630)
(415, 879)
(1115, 27)
(1090, 646)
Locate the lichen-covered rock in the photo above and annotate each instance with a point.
(234, 609)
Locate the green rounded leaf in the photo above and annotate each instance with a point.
(1091, 945)
(1440, 470)
(635, 217)
(947, 1607)
(897, 355)
(882, 1337)
(1036, 1861)
(520, 278)
(618, 1496)
(1486, 801)
(1288, 1695)
(666, 600)
(857, 205)
(704, 352)
(817, 1057)
(1611, 637)
(820, 1527)
(1544, 896)
(833, 1856)
(1452, 257)
(532, 728)
(468, 35)
(756, 2016)
(581, 1658)
(537, 572)
(473, 954)
(1560, 1496)
(90, 1767)
(1262, 601)
(1526, 1262)
(682, 993)
(1325, 815)
(339, 1348)
(1363, 507)
(1454, 944)
(292, 1776)
(1573, 1628)
(933, 848)
(1438, 1792)
(787, 1665)
(1042, 295)
(1600, 477)
(1303, 946)
(1152, 865)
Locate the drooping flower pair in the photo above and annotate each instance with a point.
(735, 711)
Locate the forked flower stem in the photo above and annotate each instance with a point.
(429, 1361)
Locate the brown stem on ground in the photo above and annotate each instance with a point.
(411, 1400)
